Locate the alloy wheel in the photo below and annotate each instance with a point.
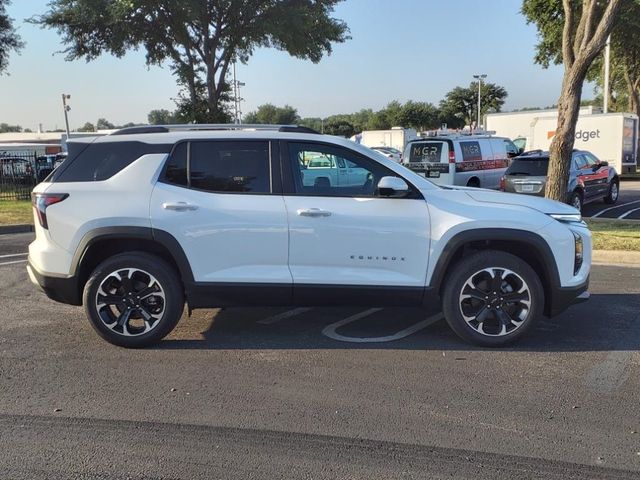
(495, 301)
(130, 302)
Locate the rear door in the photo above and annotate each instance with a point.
(430, 158)
(221, 200)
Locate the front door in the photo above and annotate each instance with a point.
(217, 199)
(347, 242)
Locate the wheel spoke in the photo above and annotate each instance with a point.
(504, 318)
(124, 317)
(496, 281)
(146, 292)
(482, 315)
(106, 299)
(472, 292)
(515, 297)
(125, 281)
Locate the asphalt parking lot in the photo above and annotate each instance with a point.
(318, 393)
(627, 206)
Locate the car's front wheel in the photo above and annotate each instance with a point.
(133, 299)
(492, 298)
(575, 200)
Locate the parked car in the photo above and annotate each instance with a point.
(590, 179)
(134, 224)
(460, 158)
(390, 152)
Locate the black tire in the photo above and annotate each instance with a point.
(473, 182)
(513, 272)
(613, 193)
(163, 305)
(576, 199)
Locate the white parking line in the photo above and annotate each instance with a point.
(615, 206)
(283, 315)
(13, 263)
(624, 215)
(330, 330)
(14, 255)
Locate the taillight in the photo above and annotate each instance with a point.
(452, 156)
(41, 201)
(503, 184)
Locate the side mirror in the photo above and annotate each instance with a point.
(604, 163)
(520, 150)
(392, 187)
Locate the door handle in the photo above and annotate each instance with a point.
(179, 206)
(313, 212)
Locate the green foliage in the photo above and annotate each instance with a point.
(6, 128)
(104, 124)
(198, 38)
(9, 39)
(462, 103)
(340, 128)
(160, 117)
(87, 127)
(270, 114)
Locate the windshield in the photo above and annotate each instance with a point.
(531, 166)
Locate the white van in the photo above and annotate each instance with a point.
(458, 158)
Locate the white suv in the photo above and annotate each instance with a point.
(136, 224)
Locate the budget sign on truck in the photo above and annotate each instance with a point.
(610, 136)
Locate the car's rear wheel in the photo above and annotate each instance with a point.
(575, 200)
(133, 299)
(492, 298)
(613, 193)
(474, 182)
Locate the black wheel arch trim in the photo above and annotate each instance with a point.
(536, 242)
(162, 237)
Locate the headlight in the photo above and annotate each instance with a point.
(567, 217)
(579, 249)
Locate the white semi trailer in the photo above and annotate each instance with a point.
(610, 136)
(396, 137)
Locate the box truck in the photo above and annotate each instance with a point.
(609, 136)
(396, 137)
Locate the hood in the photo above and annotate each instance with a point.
(543, 205)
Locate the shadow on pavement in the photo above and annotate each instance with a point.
(605, 323)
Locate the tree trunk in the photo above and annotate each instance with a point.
(562, 144)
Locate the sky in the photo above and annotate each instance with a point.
(400, 50)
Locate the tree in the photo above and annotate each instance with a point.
(104, 124)
(9, 39)
(199, 38)
(462, 103)
(161, 117)
(315, 123)
(270, 114)
(87, 127)
(340, 128)
(419, 115)
(577, 38)
(6, 128)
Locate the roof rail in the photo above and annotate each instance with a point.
(212, 127)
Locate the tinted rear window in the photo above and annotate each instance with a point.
(100, 161)
(426, 152)
(531, 166)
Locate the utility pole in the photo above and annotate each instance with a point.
(66, 109)
(607, 61)
(236, 96)
(479, 77)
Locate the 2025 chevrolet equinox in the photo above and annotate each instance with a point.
(135, 224)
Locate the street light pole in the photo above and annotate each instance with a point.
(479, 77)
(66, 109)
(236, 96)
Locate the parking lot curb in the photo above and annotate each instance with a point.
(616, 257)
(611, 220)
(630, 178)
(8, 229)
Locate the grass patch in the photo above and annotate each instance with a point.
(15, 212)
(615, 235)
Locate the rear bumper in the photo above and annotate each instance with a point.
(60, 289)
(563, 297)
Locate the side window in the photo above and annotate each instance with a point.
(581, 162)
(176, 171)
(360, 177)
(100, 161)
(512, 150)
(591, 160)
(470, 151)
(230, 167)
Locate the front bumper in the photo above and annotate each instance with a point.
(563, 297)
(60, 289)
